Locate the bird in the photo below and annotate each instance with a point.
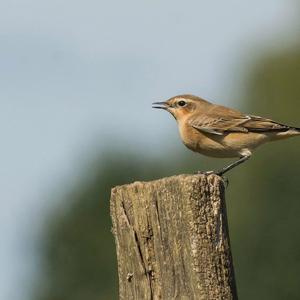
(218, 131)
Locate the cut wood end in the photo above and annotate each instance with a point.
(212, 178)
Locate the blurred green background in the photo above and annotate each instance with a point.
(77, 83)
(263, 203)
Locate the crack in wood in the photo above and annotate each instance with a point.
(172, 234)
(138, 246)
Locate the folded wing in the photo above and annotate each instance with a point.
(222, 120)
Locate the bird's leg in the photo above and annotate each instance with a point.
(232, 165)
(225, 169)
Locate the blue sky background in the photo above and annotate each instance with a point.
(76, 76)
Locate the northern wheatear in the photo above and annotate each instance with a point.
(218, 131)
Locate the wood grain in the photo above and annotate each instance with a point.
(172, 239)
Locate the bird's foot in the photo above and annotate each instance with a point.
(206, 172)
(224, 179)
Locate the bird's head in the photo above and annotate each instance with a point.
(182, 106)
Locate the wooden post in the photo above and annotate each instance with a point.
(172, 239)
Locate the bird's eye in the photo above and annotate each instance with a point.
(181, 103)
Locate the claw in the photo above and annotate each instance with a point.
(205, 172)
(224, 179)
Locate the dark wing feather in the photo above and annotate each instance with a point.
(221, 120)
(259, 124)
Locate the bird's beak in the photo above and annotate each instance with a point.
(160, 105)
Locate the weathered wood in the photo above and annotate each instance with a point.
(172, 239)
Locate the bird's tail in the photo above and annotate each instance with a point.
(295, 129)
(290, 132)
